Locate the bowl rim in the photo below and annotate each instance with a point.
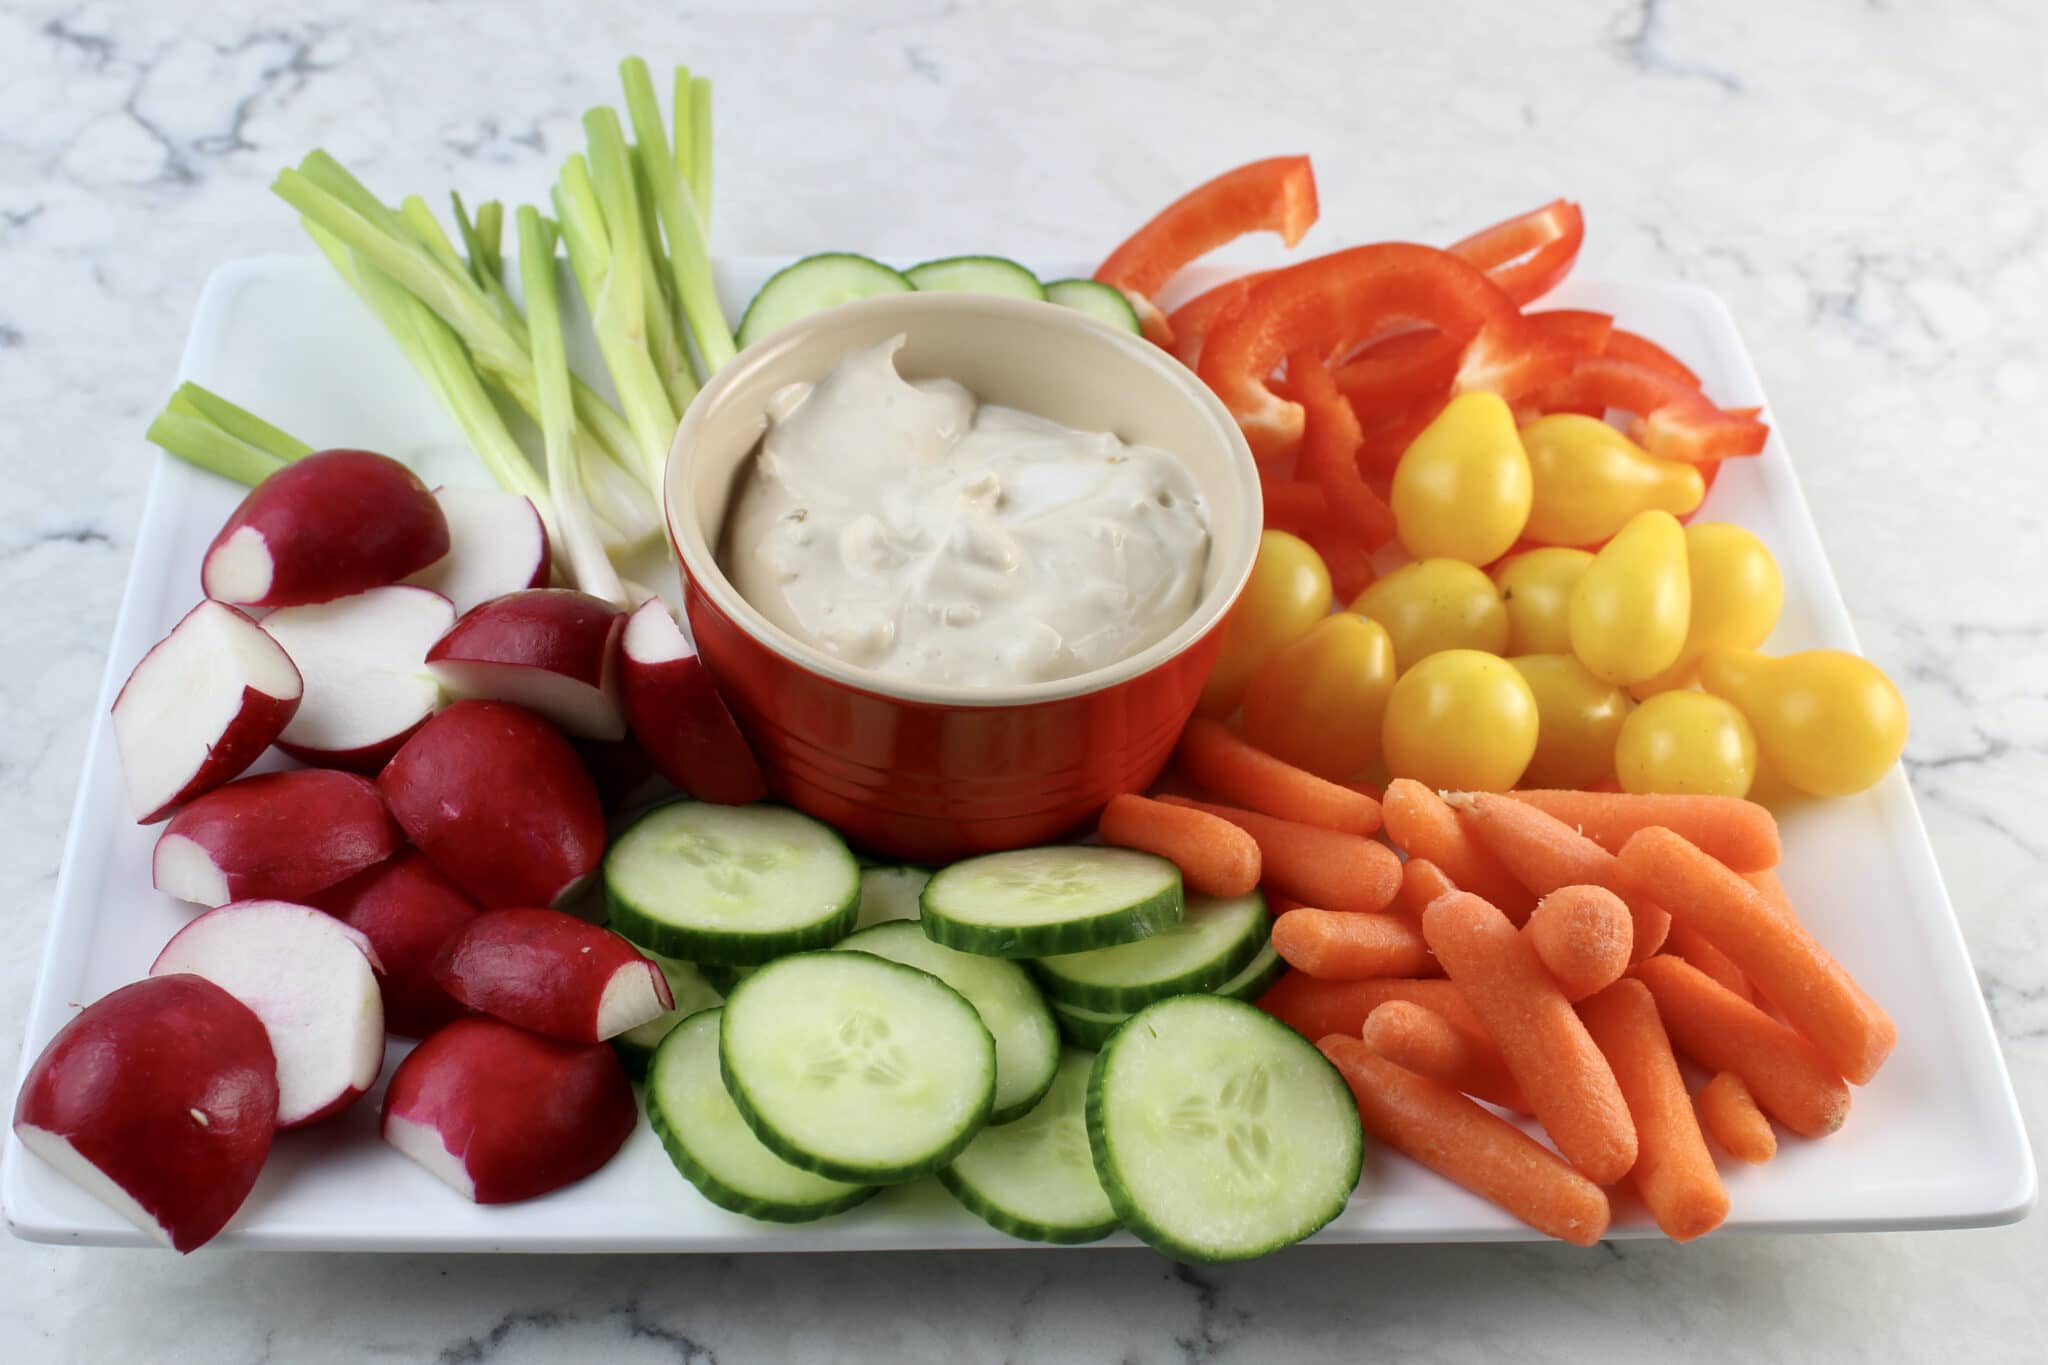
(688, 540)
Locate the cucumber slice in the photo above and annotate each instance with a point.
(812, 285)
(1256, 977)
(855, 1067)
(692, 992)
(1084, 1027)
(890, 893)
(730, 884)
(711, 1144)
(976, 275)
(1213, 940)
(1099, 301)
(1218, 1132)
(1064, 898)
(1035, 1178)
(1027, 1040)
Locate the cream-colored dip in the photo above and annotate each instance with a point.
(905, 528)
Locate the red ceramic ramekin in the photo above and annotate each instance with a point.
(933, 772)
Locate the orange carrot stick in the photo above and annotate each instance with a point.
(1424, 827)
(1685, 941)
(1422, 881)
(1773, 893)
(1314, 1008)
(1469, 1146)
(1430, 1045)
(1277, 904)
(1211, 755)
(1674, 1171)
(1314, 865)
(1215, 857)
(1338, 946)
(1544, 853)
(1372, 789)
(1721, 1031)
(1729, 1114)
(1740, 833)
(1546, 1047)
(1780, 958)
(1583, 934)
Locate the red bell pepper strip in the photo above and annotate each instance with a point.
(1329, 452)
(1675, 420)
(1640, 350)
(1350, 563)
(1388, 440)
(1275, 195)
(1588, 333)
(1528, 255)
(1397, 371)
(1192, 322)
(1293, 505)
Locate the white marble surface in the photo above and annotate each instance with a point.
(1864, 183)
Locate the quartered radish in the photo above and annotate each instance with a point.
(553, 651)
(976, 275)
(364, 660)
(275, 836)
(1214, 939)
(890, 893)
(1033, 902)
(677, 714)
(1099, 301)
(407, 911)
(812, 285)
(691, 990)
(1035, 1178)
(552, 973)
(710, 1143)
(200, 707)
(496, 545)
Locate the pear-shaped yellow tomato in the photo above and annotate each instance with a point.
(1686, 743)
(1737, 593)
(1436, 604)
(1536, 588)
(1318, 701)
(1588, 479)
(1826, 722)
(1462, 488)
(1460, 721)
(1578, 719)
(1288, 592)
(1630, 610)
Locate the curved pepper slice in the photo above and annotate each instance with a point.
(1674, 420)
(1640, 350)
(1274, 195)
(1529, 254)
(1191, 323)
(1398, 371)
(1329, 452)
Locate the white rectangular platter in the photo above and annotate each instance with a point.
(1935, 1141)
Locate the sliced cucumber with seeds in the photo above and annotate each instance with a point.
(812, 285)
(889, 893)
(692, 993)
(1215, 937)
(1099, 301)
(1084, 1027)
(1035, 1178)
(855, 1067)
(1065, 898)
(976, 275)
(710, 1143)
(730, 884)
(1256, 977)
(1027, 1040)
(1218, 1132)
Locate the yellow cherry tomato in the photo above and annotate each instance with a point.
(1578, 719)
(1630, 609)
(1436, 604)
(1461, 490)
(1588, 479)
(1318, 701)
(1686, 743)
(1737, 593)
(1460, 721)
(1826, 722)
(1536, 588)
(1288, 592)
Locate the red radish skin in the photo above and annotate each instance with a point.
(160, 1101)
(200, 707)
(331, 524)
(552, 973)
(407, 911)
(496, 545)
(275, 836)
(553, 651)
(501, 1115)
(499, 803)
(367, 684)
(624, 774)
(676, 713)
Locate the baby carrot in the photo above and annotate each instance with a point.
(1721, 1031)
(1214, 856)
(1545, 853)
(1773, 892)
(1424, 827)
(1780, 958)
(1685, 941)
(1546, 1047)
(1277, 904)
(1422, 881)
(1741, 834)
(1674, 1172)
(1468, 1145)
(1350, 947)
(1315, 866)
(1313, 1008)
(1430, 1045)
(1211, 755)
(1729, 1114)
(1372, 789)
(1583, 934)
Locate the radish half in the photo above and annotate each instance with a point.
(552, 973)
(496, 545)
(408, 911)
(553, 651)
(677, 714)
(364, 659)
(275, 836)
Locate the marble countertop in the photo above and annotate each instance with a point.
(1863, 184)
